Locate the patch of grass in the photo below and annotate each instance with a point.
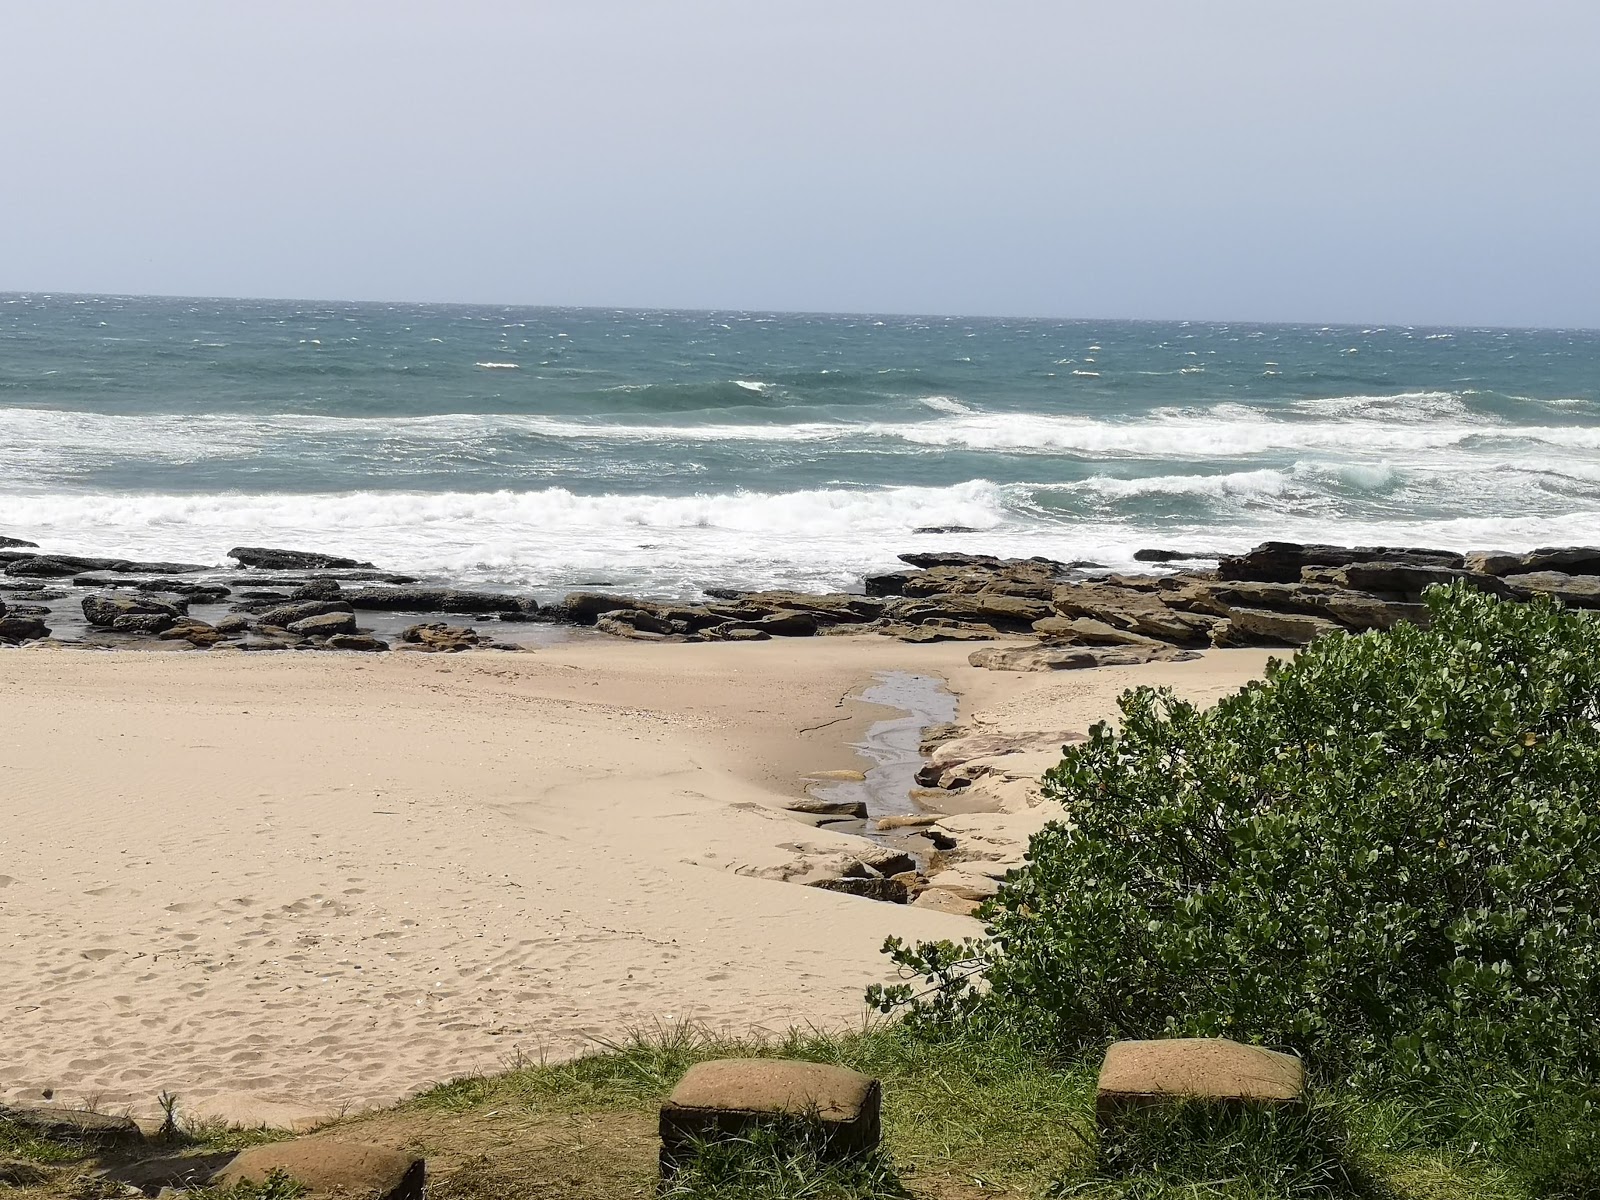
(18, 1143)
(781, 1163)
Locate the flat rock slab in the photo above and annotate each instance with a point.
(1139, 1074)
(330, 1167)
(725, 1097)
(59, 1124)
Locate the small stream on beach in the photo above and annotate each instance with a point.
(893, 745)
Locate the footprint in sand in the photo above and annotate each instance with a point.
(6, 880)
(96, 955)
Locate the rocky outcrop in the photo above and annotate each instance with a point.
(1073, 658)
(1282, 562)
(324, 624)
(17, 543)
(289, 560)
(1575, 591)
(440, 600)
(60, 566)
(123, 613)
(439, 637)
(14, 630)
(286, 616)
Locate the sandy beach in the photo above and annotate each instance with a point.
(286, 885)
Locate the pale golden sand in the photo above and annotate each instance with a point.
(280, 885)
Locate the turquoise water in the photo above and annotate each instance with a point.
(539, 448)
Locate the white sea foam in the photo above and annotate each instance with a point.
(552, 539)
(499, 366)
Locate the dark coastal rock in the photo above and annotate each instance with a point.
(317, 589)
(130, 614)
(38, 566)
(891, 891)
(284, 616)
(59, 566)
(1570, 560)
(1141, 611)
(1411, 579)
(1575, 591)
(635, 623)
(1282, 562)
(1034, 580)
(891, 583)
(16, 629)
(437, 636)
(1087, 631)
(997, 611)
(585, 608)
(925, 529)
(289, 560)
(1353, 610)
(837, 607)
(196, 633)
(443, 600)
(949, 558)
(359, 642)
(235, 623)
(324, 624)
(1263, 627)
(21, 543)
(1163, 556)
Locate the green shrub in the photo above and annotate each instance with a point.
(1386, 856)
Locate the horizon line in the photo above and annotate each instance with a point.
(802, 312)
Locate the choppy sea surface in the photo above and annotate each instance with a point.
(544, 448)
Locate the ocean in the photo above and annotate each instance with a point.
(544, 448)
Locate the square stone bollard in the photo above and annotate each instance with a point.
(1137, 1075)
(726, 1097)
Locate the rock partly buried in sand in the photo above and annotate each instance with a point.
(1072, 658)
(327, 1166)
(130, 614)
(290, 560)
(72, 1125)
(14, 630)
(357, 642)
(888, 891)
(1136, 1075)
(437, 636)
(829, 808)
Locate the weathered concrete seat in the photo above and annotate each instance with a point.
(1136, 1075)
(330, 1167)
(725, 1097)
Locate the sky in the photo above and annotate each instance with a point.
(1418, 161)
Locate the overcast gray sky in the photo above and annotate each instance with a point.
(1427, 161)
